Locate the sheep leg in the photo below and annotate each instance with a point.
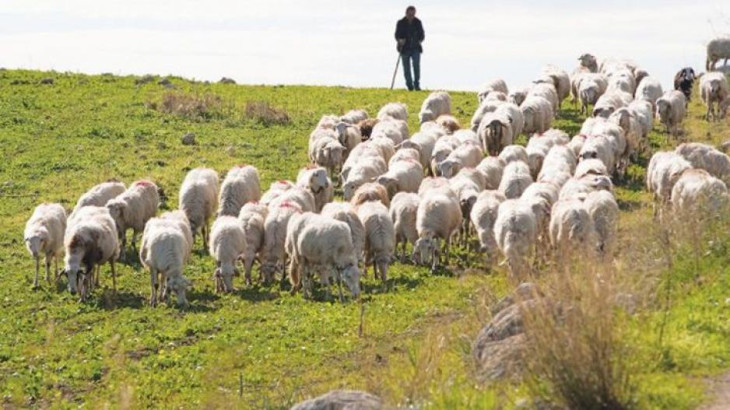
(448, 245)
(114, 277)
(153, 288)
(55, 266)
(248, 266)
(96, 275)
(339, 287)
(37, 269)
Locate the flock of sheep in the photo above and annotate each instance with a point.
(441, 184)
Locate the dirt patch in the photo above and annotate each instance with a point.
(719, 389)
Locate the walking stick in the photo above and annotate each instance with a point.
(397, 62)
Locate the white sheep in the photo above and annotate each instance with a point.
(515, 179)
(434, 184)
(133, 208)
(571, 228)
(602, 148)
(714, 90)
(662, 173)
(497, 85)
(273, 253)
(577, 188)
(379, 237)
(199, 199)
(717, 49)
(591, 166)
(252, 217)
(403, 176)
(483, 215)
(437, 103)
(354, 116)
(100, 194)
(405, 154)
(485, 107)
(324, 245)
(492, 168)
(466, 136)
(344, 212)
(644, 113)
(603, 210)
(515, 230)
(513, 153)
(467, 188)
(164, 251)
(398, 111)
(276, 189)
(590, 88)
(609, 102)
(437, 218)
(538, 114)
(178, 219)
(318, 183)
(699, 195)
(465, 155)
(227, 245)
(361, 173)
(649, 89)
(625, 129)
(706, 157)
(441, 150)
(403, 210)
(496, 129)
(325, 149)
(547, 91)
(559, 79)
(423, 142)
(517, 96)
(90, 240)
(241, 185)
(671, 109)
(370, 191)
(298, 195)
(395, 130)
(349, 136)
(43, 236)
(449, 123)
(559, 158)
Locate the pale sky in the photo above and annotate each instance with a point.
(351, 43)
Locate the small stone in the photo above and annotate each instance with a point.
(188, 139)
(341, 399)
(226, 80)
(47, 80)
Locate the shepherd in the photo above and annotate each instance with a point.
(409, 35)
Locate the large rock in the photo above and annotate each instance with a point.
(341, 400)
(500, 359)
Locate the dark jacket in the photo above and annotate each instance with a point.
(412, 32)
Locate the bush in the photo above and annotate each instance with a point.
(199, 107)
(263, 113)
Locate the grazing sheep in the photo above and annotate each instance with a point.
(515, 179)
(499, 128)
(559, 158)
(466, 137)
(318, 183)
(663, 171)
(240, 186)
(403, 176)
(518, 96)
(592, 166)
(423, 142)
(361, 173)
(600, 147)
(590, 87)
(199, 199)
(571, 228)
(90, 240)
(441, 150)
(164, 251)
(610, 102)
(100, 194)
(449, 122)
(379, 237)
(644, 113)
(671, 108)
(385, 146)
(603, 210)
(133, 208)
(465, 155)
(699, 195)
(717, 49)
(714, 89)
(252, 217)
(626, 131)
(492, 168)
(403, 211)
(497, 85)
(559, 79)
(44, 236)
(538, 114)
(362, 153)
(370, 191)
(433, 184)
(622, 80)
(434, 128)
(344, 212)
(683, 81)
(437, 218)
(649, 89)
(577, 188)
(405, 154)
(485, 107)
(324, 245)
(483, 215)
(227, 245)
(273, 254)
(467, 190)
(179, 220)
(355, 116)
(397, 111)
(515, 230)
(436, 104)
(706, 157)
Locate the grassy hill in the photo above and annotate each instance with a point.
(260, 347)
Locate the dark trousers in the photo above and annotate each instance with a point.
(413, 56)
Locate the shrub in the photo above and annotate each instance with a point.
(263, 113)
(199, 107)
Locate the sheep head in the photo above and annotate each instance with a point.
(425, 249)
(351, 276)
(426, 115)
(179, 285)
(448, 168)
(662, 109)
(36, 241)
(389, 183)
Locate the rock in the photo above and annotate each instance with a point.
(226, 80)
(725, 146)
(500, 359)
(166, 82)
(188, 139)
(341, 400)
(147, 78)
(524, 291)
(47, 80)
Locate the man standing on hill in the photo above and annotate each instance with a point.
(409, 34)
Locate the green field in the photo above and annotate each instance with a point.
(261, 347)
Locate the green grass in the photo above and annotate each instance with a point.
(261, 347)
